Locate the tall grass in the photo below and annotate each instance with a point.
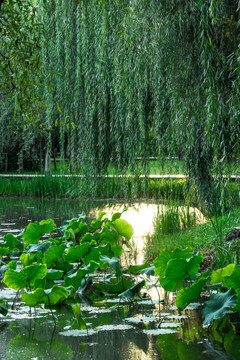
(173, 218)
(89, 187)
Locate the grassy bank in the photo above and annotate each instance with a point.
(208, 237)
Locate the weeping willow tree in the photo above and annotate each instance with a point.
(132, 78)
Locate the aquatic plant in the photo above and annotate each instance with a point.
(63, 269)
(174, 268)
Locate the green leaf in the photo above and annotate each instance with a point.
(53, 254)
(133, 291)
(122, 285)
(53, 274)
(187, 295)
(27, 276)
(165, 256)
(76, 278)
(135, 269)
(39, 247)
(52, 296)
(47, 226)
(150, 271)
(123, 228)
(3, 307)
(34, 231)
(178, 270)
(5, 251)
(233, 280)
(219, 275)
(95, 253)
(77, 252)
(218, 305)
(116, 216)
(79, 316)
(114, 264)
(12, 242)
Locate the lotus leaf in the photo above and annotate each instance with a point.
(218, 305)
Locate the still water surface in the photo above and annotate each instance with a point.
(116, 330)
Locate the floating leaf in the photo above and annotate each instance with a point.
(218, 305)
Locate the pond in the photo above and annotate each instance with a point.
(151, 328)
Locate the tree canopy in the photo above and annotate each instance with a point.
(104, 82)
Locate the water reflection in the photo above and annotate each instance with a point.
(16, 213)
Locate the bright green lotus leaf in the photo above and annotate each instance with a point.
(218, 305)
(108, 236)
(34, 231)
(123, 228)
(165, 256)
(178, 270)
(118, 287)
(135, 269)
(12, 242)
(114, 264)
(88, 238)
(34, 298)
(34, 272)
(56, 295)
(15, 279)
(5, 251)
(133, 291)
(77, 252)
(3, 307)
(52, 296)
(116, 216)
(47, 226)
(187, 295)
(27, 276)
(95, 253)
(117, 250)
(219, 275)
(53, 274)
(233, 280)
(53, 253)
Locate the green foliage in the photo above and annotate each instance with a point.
(143, 80)
(57, 270)
(218, 305)
(176, 267)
